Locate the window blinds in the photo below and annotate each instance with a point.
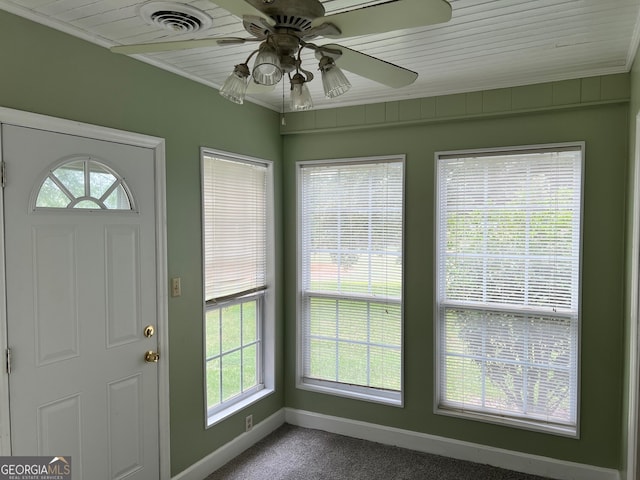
(234, 202)
(351, 216)
(508, 266)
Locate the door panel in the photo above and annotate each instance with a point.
(55, 308)
(59, 428)
(81, 287)
(125, 426)
(123, 284)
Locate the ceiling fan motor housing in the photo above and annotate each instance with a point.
(292, 19)
(291, 12)
(295, 15)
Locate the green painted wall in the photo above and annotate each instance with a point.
(48, 72)
(51, 73)
(485, 119)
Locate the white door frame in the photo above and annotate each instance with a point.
(52, 124)
(633, 418)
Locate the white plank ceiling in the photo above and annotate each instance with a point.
(487, 44)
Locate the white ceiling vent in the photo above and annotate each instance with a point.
(176, 17)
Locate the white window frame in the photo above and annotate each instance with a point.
(572, 431)
(369, 394)
(266, 302)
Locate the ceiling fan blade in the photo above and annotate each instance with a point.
(241, 8)
(176, 45)
(387, 17)
(371, 67)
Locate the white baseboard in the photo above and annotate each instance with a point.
(497, 457)
(235, 447)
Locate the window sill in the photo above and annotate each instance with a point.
(384, 397)
(236, 407)
(533, 425)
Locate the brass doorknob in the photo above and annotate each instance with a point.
(151, 357)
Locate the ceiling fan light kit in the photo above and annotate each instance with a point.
(285, 27)
(300, 95)
(235, 87)
(267, 69)
(334, 82)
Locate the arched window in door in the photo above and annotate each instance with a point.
(83, 183)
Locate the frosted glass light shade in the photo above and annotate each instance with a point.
(334, 81)
(300, 95)
(235, 86)
(266, 68)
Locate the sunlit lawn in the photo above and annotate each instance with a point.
(231, 334)
(356, 342)
(352, 342)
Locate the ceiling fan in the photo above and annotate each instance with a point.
(285, 28)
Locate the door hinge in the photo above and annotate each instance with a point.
(8, 360)
(3, 173)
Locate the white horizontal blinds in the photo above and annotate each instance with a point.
(235, 215)
(351, 231)
(508, 283)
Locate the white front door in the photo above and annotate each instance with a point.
(81, 289)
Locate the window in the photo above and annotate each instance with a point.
(237, 231)
(350, 283)
(507, 286)
(83, 183)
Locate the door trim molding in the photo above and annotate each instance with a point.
(157, 144)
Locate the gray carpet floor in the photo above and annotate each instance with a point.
(295, 453)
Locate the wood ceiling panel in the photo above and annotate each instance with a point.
(488, 43)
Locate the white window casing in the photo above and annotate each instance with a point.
(238, 280)
(350, 277)
(507, 276)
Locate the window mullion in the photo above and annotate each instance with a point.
(220, 380)
(484, 365)
(528, 354)
(370, 233)
(242, 346)
(485, 235)
(368, 344)
(337, 340)
(339, 235)
(527, 237)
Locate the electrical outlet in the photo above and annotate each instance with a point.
(248, 423)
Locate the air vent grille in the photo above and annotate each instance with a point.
(175, 17)
(176, 21)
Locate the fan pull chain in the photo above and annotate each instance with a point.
(283, 120)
